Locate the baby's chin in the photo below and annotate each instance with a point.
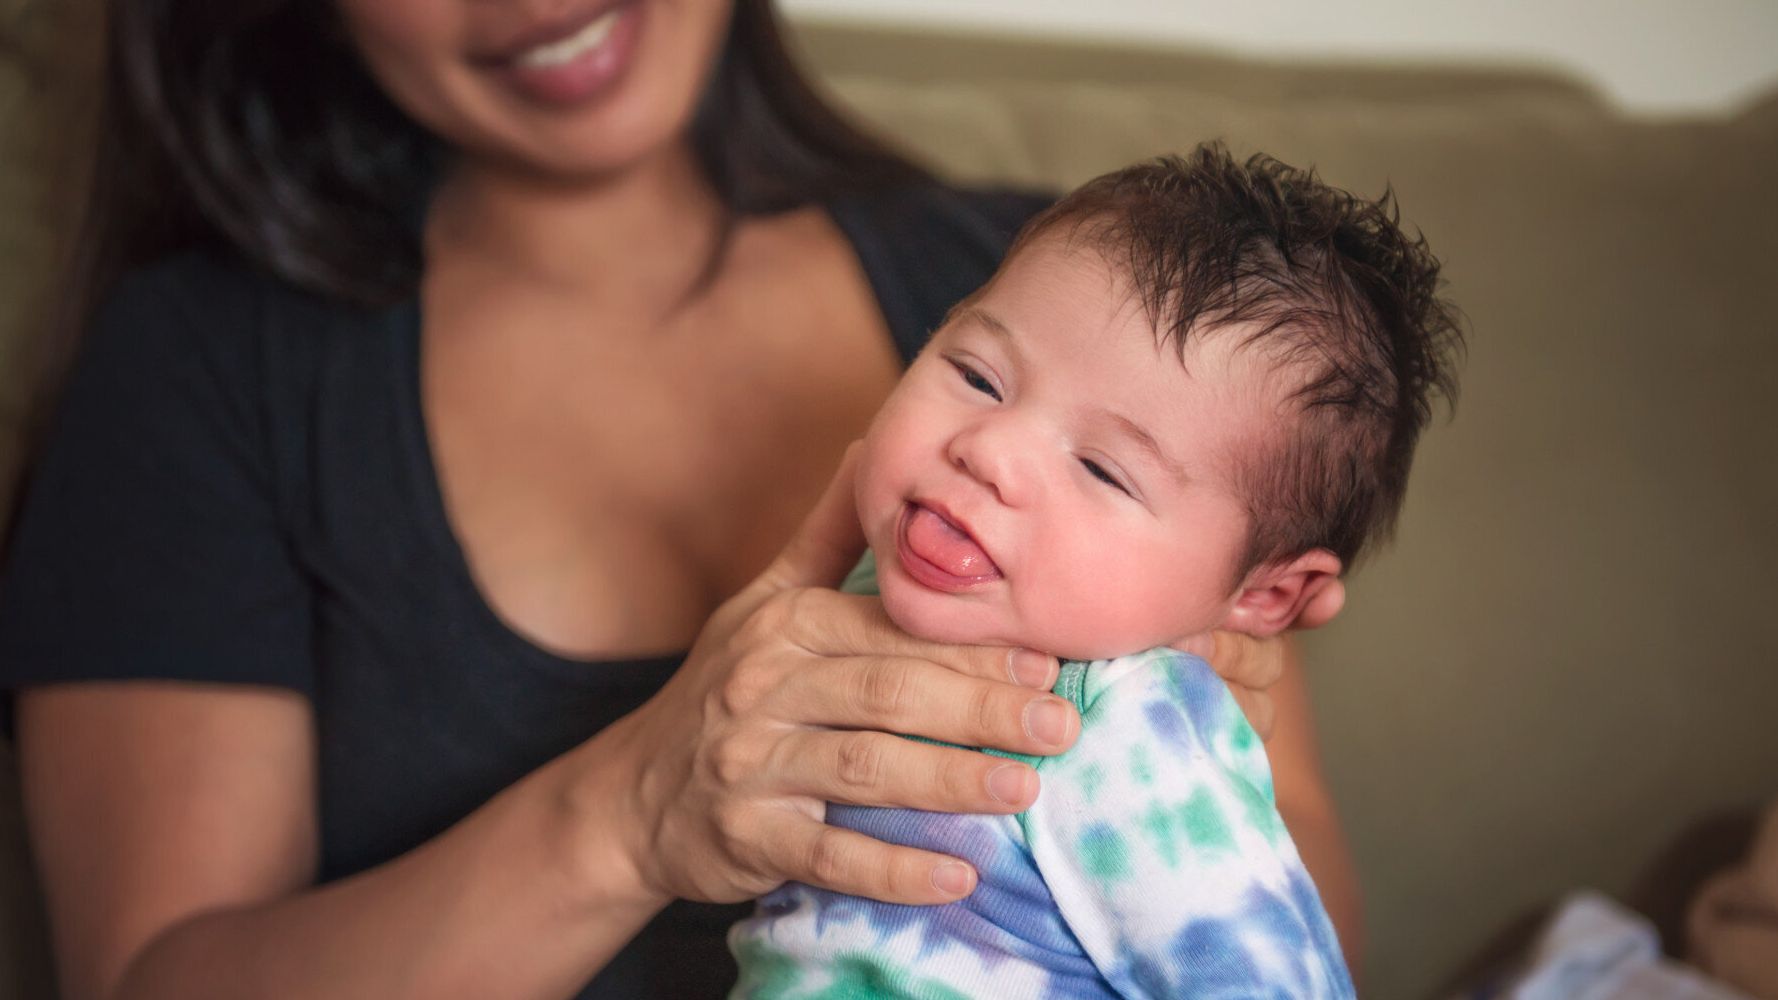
(977, 620)
(958, 619)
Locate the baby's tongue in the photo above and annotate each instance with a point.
(937, 541)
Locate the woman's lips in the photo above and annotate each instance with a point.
(938, 553)
(576, 61)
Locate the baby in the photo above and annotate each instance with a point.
(1188, 400)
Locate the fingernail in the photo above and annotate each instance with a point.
(1031, 668)
(953, 878)
(1010, 783)
(1046, 720)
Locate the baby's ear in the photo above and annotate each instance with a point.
(1275, 593)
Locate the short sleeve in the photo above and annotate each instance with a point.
(148, 545)
(1158, 837)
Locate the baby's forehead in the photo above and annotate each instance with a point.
(1103, 275)
(1233, 359)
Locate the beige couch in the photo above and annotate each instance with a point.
(1566, 661)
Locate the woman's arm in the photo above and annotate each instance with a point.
(1308, 808)
(176, 830)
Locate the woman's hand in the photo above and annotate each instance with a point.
(788, 700)
(1251, 667)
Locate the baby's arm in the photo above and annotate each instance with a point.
(1158, 836)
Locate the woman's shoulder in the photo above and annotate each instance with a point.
(207, 311)
(201, 291)
(152, 521)
(927, 245)
(221, 360)
(935, 217)
(177, 321)
(172, 300)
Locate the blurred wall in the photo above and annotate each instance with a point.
(1650, 56)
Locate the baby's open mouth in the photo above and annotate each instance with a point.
(939, 553)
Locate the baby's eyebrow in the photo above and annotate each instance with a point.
(1144, 440)
(991, 323)
(1125, 426)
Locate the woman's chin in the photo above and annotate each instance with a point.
(571, 154)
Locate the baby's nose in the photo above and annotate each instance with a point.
(989, 453)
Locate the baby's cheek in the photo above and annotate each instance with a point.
(1082, 620)
(1114, 612)
(877, 491)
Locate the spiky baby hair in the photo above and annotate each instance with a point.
(1328, 286)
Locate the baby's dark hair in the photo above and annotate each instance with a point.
(1328, 286)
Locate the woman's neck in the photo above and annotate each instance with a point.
(645, 233)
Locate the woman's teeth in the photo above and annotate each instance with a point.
(573, 47)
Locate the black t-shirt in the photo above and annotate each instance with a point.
(238, 488)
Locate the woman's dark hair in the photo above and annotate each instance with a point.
(251, 124)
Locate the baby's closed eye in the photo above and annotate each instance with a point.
(976, 380)
(1098, 472)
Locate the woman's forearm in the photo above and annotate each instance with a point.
(1322, 845)
(1309, 812)
(529, 896)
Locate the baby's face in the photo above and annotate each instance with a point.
(1046, 475)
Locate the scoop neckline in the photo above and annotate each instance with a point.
(442, 534)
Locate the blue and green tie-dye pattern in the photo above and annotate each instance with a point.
(1153, 864)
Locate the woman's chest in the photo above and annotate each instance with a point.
(609, 487)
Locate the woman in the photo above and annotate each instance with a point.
(417, 453)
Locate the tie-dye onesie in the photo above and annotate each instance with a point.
(1153, 864)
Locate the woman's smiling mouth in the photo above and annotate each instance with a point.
(572, 62)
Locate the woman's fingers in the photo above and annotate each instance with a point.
(1243, 661)
(739, 739)
(1250, 667)
(852, 863)
(877, 769)
(1260, 710)
(920, 698)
